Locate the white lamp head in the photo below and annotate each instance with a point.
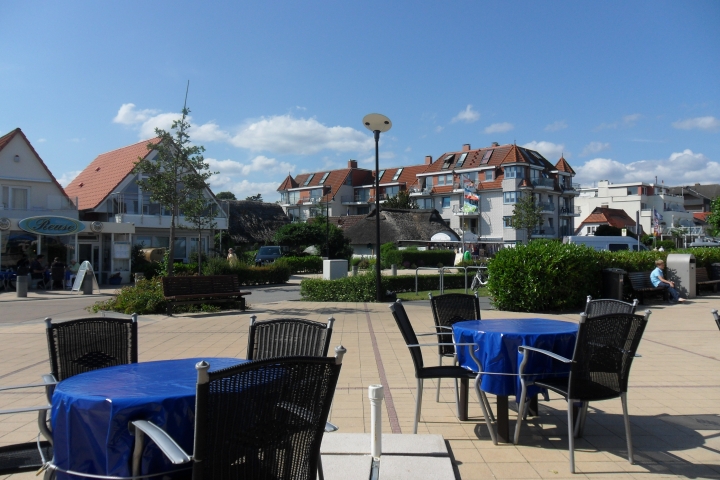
(376, 122)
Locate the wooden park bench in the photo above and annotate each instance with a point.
(641, 284)
(202, 289)
(702, 278)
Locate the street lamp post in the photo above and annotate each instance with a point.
(377, 123)
(327, 225)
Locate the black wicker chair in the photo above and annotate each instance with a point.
(75, 346)
(716, 317)
(599, 369)
(603, 306)
(442, 371)
(258, 420)
(57, 277)
(447, 310)
(282, 337)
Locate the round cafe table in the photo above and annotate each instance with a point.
(498, 342)
(91, 413)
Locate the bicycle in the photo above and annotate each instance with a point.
(480, 279)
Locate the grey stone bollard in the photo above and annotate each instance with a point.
(21, 285)
(139, 276)
(355, 270)
(87, 285)
(393, 270)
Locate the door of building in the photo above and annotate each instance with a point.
(91, 253)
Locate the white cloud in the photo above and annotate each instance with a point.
(549, 150)
(300, 136)
(681, 168)
(699, 123)
(246, 188)
(593, 148)
(260, 163)
(163, 121)
(468, 115)
(499, 127)
(439, 129)
(67, 177)
(41, 140)
(129, 115)
(555, 126)
(626, 122)
(208, 132)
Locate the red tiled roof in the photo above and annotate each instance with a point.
(614, 217)
(563, 166)
(104, 174)
(702, 216)
(288, 183)
(5, 140)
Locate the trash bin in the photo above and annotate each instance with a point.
(680, 268)
(714, 271)
(612, 283)
(21, 285)
(87, 284)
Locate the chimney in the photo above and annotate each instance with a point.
(495, 144)
(352, 163)
(466, 147)
(428, 159)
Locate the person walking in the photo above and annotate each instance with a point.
(658, 280)
(232, 258)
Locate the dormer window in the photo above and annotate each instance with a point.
(486, 157)
(309, 179)
(324, 177)
(382, 172)
(461, 160)
(397, 174)
(448, 160)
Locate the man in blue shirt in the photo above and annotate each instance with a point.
(657, 279)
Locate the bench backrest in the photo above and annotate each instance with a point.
(200, 285)
(640, 280)
(701, 274)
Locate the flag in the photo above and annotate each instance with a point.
(470, 204)
(656, 224)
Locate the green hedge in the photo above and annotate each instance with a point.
(145, 297)
(309, 264)
(362, 287)
(249, 275)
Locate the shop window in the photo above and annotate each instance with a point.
(180, 250)
(161, 242)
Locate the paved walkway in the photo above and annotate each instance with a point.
(673, 397)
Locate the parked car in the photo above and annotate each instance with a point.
(268, 255)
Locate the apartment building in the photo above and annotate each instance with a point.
(645, 198)
(474, 190)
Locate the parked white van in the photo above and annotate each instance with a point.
(606, 242)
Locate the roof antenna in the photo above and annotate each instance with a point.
(186, 94)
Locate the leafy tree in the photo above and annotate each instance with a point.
(714, 218)
(402, 200)
(177, 172)
(225, 196)
(526, 214)
(304, 234)
(254, 198)
(200, 214)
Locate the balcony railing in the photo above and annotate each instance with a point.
(547, 206)
(543, 232)
(574, 211)
(543, 182)
(354, 198)
(53, 203)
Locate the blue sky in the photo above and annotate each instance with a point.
(629, 91)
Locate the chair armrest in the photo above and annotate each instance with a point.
(164, 441)
(331, 427)
(545, 352)
(441, 344)
(26, 409)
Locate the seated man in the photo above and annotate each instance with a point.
(72, 271)
(57, 273)
(657, 279)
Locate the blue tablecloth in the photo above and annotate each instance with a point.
(498, 342)
(91, 413)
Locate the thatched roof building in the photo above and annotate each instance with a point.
(255, 222)
(398, 225)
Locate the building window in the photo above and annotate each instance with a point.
(445, 202)
(15, 198)
(397, 174)
(363, 210)
(514, 172)
(425, 203)
(511, 197)
(180, 248)
(309, 179)
(391, 191)
(489, 175)
(161, 242)
(445, 179)
(591, 229)
(144, 241)
(507, 222)
(324, 177)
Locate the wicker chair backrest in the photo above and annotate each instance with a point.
(408, 333)
(282, 337)
(449, 309)
(604, 352)
(86, 344)
(264, 419)
(604, 306)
